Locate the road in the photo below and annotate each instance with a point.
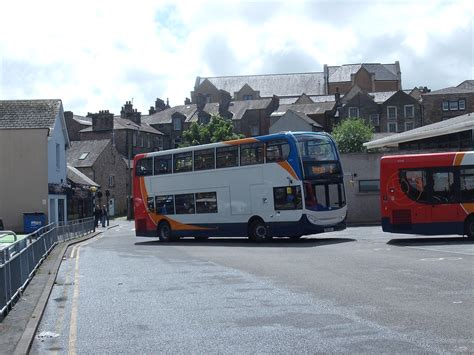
(359, 290)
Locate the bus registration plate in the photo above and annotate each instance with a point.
(330, 229)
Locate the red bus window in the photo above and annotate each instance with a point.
(413, 184)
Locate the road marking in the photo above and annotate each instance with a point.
(443, 251)
(75, 296)
(441, 259)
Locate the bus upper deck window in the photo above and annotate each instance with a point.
(144, 167)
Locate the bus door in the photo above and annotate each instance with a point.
(417, 209)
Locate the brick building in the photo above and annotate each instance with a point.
(446, 103)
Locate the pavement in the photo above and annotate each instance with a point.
(18, 329)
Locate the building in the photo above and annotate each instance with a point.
(100, 161)
(249, 117)
(33, 144)
(291, 120)
(75, 124)
(387, 111)
(447, 103)
(129, 135)
(370, 77)
(80, 200)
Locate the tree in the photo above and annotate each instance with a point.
(351, 133)
(217, 130)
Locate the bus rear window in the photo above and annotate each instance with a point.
(144, 167)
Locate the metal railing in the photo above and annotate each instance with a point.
(20, 260)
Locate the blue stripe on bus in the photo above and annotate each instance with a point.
(276, 229)
(438, 228)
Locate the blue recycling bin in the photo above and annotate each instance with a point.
(33, 221)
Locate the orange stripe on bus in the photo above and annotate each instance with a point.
(458, 159)
(468, 207)
(241, 141)
(285, 165)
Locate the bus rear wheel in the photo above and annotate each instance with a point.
(164, 232)
(258, 231)
(469, 227)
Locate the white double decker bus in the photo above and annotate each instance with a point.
(280, 185)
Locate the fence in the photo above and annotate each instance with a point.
(20, 260)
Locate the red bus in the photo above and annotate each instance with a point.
(428, 193)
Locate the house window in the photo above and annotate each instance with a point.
(142, 140)
(177, 124)
(208, 98)
(409, 111)
(134, 139)
(111, 180)
(248, 97)
(392, 127)
(148, 141)
(58, 162)
(392, 112)
(462, 104)
(445, 106)
(375, 119)
(369, 185)
(453, 106)
(353, 112)
(409, 126)
(83, 156)
(254, 130)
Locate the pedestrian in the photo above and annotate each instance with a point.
(97, 215)
(104, 215)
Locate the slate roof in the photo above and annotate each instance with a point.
(343, 73)
(87, 121)
(26, 114)
(305, 118)
(79, 178)
(125, 123)
(238, 109)
(381, 97)
(466, 84)
(93, 147)
(451, 90)
(308, 109)
(293, 84)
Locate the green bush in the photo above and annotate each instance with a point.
(351, 133)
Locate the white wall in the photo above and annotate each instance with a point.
(57, 175)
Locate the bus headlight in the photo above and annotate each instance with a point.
(312, 219)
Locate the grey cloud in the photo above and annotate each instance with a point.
(292, 61)
(220, 58)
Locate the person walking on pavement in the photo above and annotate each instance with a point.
(97, 215)
(104, 215)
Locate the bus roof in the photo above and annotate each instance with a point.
(430, 159)
(231, 142)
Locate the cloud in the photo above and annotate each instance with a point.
(97, 55)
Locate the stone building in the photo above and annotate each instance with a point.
(75, 124)
(390, 111)
(249, 117)
(128, 134)
(370, 77)
(446, 103)
(100, 161)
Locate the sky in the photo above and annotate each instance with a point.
(96, 55)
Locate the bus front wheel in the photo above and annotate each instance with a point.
(469, 227)
(258, 231)
(164, 232)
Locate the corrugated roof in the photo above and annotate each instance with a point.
(79, 178)
(88, 150)
(452, 125)
(293, 84)
(29, 113)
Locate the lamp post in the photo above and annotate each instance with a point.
(93, 190)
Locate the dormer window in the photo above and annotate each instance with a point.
(83, 156)
(248, 97)
(177, 126)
